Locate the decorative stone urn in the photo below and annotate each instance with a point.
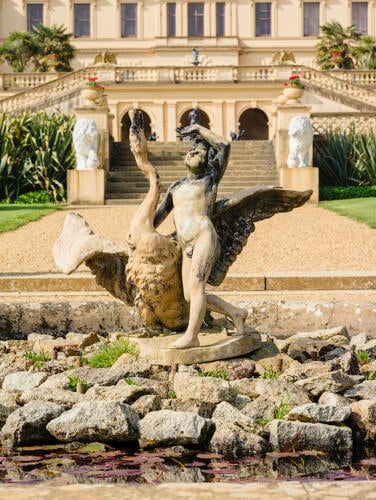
(90, 96)
(293, 94)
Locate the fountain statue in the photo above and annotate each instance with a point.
(165, 277)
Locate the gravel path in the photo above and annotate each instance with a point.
(308, 239)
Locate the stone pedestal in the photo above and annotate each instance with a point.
(86, 187)
(301, 179)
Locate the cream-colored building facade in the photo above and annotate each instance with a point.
(175, 56)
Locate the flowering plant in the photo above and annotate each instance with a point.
(294, 81)
(92, 83)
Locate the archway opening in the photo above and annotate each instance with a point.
(126, 123)
(254, 122)
(202, 118)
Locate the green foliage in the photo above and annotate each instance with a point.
(359, 209)
(271, 374)
(106, 355)
(335, 46)
(172, 394)
(130, 381)
(14, 216)
(282, 409)
(363, 357)
(214, 374)
(36, 151)
(73, 380)
(370, 376)
(346, 158)
(38, 359)
(34, 197)
(22, 49)
(346, 192)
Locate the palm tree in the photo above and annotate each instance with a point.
(335, 46)
(365, 53)
(17, 50)
(52, 41)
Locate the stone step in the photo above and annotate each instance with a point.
(126, 188)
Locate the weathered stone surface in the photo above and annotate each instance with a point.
(241, 401)
(359, 340)
(348, 363)
(306, 370)
(150, 386)
(146, 404)
(298, 436)
(315, 413)
(82, 340)
(266, 350)
(22, 381)
(209, 389)
(226, 413)
(245, 387)
(123, 393)
(365, 390)
(64, 398)
(324, 334)
(106, 421)
(8, 405)
(169, 428)
(27, 425)
(58, 381)
(363, 423)
(333, 399)
(370, 347)
(101, 376)
(336, 381)
(132, 366)
(368, 367)
(233, 441)
(302, 349)
(278, 363)
(203, 408)
(334, 353)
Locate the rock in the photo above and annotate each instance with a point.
(150, 386)
(22, 381)
(58, 381)
(365, 390)
(203, 408)
(334, 354)
(359, 340)
(233, 441)
(213, 390)
(245, 387)
(82, 340)
(146, 404)
(8, 405)
(324, 334)
(235, 368)
(105, 421)
(333, 399)
(133, 366)
(348, 363)
(170, 428)
(368, 367)
(363, 424)
(306, 370)
(302, 349)
(34, 337)
(267, 350)
(27, 425)
(65, 399)
(336, 381)
(370, 347)
(241, 401)
(277, 363)
(123, 393)
(101, 376)
(226, 413)
(315, 413)
(301, 436)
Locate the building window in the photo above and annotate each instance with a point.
(81, 15)
(359, 15)
(195, 19)
(263, 19)
(220, 18)
(34, 15)
(171, 19)
(128, 20)
(311, 19)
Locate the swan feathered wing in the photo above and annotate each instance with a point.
(234, 220)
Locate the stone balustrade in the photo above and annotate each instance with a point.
(362, 122)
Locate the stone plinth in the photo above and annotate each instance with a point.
(301, 179)
(213, 347)
(86, 187)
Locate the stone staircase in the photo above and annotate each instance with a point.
(251, 163)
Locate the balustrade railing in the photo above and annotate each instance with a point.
(343, 122)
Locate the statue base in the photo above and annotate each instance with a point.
(301, 179)
(213, 347)
(86, 187)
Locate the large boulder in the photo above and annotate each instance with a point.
(8, 405)
(226, 413)
(106, 421)
(66, 399)
(213, 390)
(336, 381)
(232, 441)
(301, 436)
(363, 424)
(27, 425)
(365, 390)
(123, 393)
(22, 381)
(315, 413)
(170, 428)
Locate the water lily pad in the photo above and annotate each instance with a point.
(93, 448)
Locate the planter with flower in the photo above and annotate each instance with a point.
(92, 92)
(293, 88)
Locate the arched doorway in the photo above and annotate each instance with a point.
(203, 118)
(254, 122)
(126, 123)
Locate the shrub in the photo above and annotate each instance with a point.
(346, 192)
(363, 357)
(33, 197)
(271, 374)
(73, 380)
(106, 355)
(38, 359)
(214, 374)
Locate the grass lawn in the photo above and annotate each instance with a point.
(359, 209)
(14, 216)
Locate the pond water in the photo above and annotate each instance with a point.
(96, 463)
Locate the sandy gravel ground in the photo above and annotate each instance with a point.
(308, 239)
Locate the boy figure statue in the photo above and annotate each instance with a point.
(193, 199)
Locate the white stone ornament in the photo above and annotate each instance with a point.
(85, 140)
(301, 138)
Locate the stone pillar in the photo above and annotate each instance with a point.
(296, 178)
(170, 134)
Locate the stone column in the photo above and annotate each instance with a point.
(296, 178)
(170, 134)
